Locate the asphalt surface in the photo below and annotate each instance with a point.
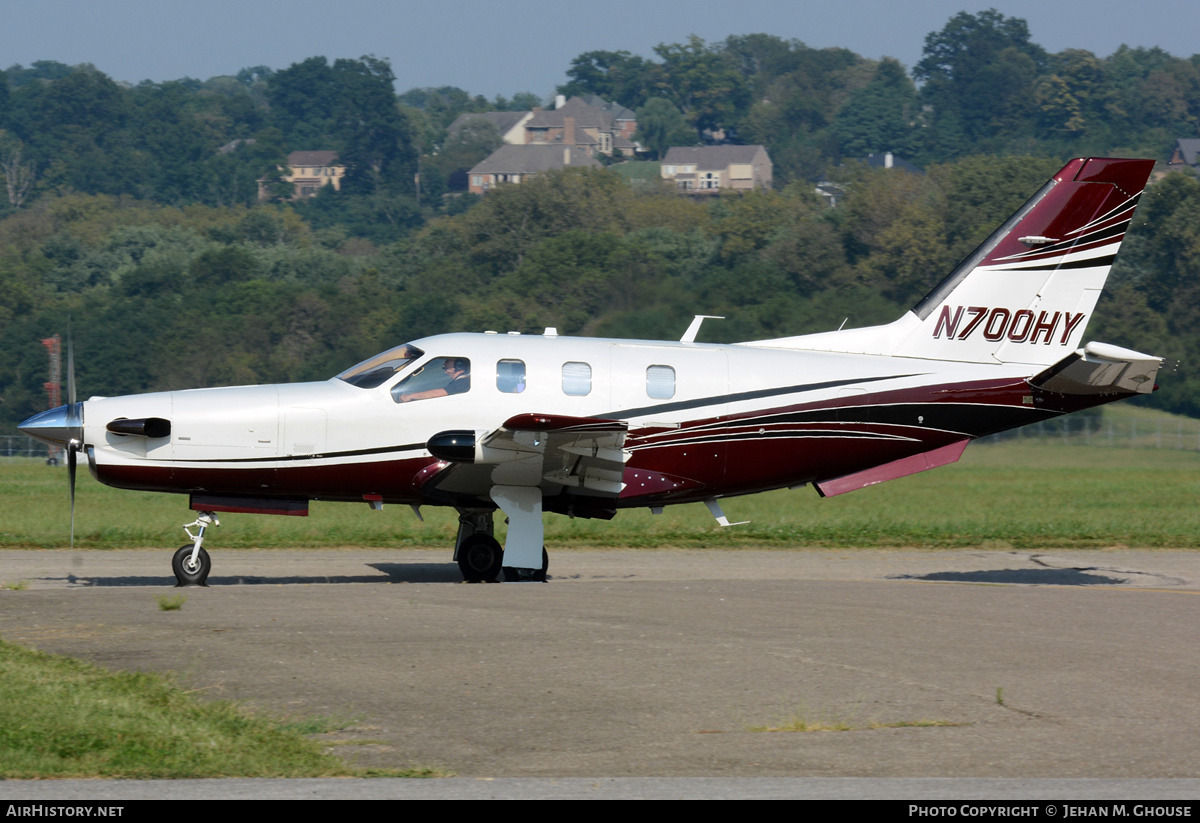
(644, 664)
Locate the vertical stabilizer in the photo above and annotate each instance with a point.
(1027, 293)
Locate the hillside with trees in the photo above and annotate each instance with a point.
(135, 210)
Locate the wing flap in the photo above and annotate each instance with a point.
(584, 455)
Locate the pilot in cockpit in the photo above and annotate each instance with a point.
(458, 373)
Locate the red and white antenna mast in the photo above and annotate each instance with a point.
(53, 386)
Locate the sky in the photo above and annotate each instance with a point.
(495, 48)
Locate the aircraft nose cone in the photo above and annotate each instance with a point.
(54, 427)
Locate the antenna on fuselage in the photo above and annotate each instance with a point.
(689, 336)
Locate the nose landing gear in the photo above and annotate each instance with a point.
(191, 563)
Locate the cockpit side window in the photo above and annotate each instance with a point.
(440, 377)
(377, 370)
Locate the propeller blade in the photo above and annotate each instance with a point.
(71, 452)
(70, 367)
(74, 408)
(75, 424)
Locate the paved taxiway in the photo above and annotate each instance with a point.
(660, 663)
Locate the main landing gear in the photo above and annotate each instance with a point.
(480, 556)
(191, 563)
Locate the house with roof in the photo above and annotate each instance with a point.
(708, 169)
(308, 172)
(515, 164)
(624, 120)
(575, 122)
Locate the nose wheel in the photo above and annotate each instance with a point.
(191, 567)
(191, 563)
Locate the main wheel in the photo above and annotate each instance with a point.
(187, 571)
(512, 575)
(480, 558)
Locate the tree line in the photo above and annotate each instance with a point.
(167, 297)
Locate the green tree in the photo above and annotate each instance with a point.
(661, 126)
(703, 82)
(442, 105)
(75, 129)
(4, 104)
(1058, 112)
(617, 76)
(20, 76)
(567, 280)
(465, 148)
(521, 101)
(880, 116)
(377, 140)
(304, 100)
(511, 220)
(983, 67)
(761, 58)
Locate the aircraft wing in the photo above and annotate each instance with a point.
(552, 452)
(530, 457)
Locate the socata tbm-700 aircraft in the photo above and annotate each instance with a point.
(584, 427)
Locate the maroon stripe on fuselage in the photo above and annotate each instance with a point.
(393, 479)
(788, 445)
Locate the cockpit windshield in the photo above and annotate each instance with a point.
(379, 369)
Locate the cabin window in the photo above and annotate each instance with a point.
(439, 377)
(660, 382)
(576, 379)
(510, 376)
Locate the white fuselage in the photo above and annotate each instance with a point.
(270, 438)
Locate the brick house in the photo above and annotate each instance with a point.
(575, 122)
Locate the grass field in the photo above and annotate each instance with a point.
(65, 718)
(1020, 494)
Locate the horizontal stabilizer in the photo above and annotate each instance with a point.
(1099, 368)
(890, 471)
